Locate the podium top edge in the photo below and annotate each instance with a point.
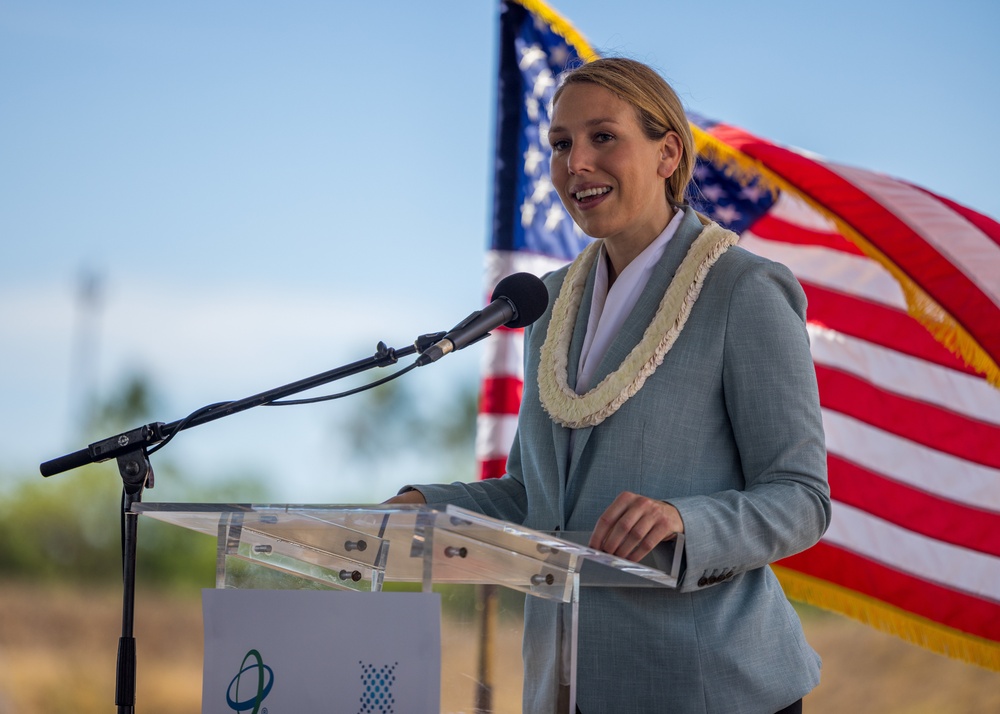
(155, 507)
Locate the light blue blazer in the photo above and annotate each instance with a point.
(728, 430)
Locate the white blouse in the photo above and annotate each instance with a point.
(610, 308)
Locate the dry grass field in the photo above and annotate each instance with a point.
(57, 655)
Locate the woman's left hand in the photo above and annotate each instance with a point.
(633, 525)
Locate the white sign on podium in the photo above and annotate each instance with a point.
(287, 651)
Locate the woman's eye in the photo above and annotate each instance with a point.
(603, 137)
(560, 145)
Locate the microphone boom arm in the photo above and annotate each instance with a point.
(150, 435)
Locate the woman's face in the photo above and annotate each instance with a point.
(608, 173)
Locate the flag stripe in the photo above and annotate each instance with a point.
(771, 227)
(492, 468)
(964, 246)
(930, 559)
(877, 324)
(905, 375)
(910, 508)
(989, 227)
(503, 354)
(501, 263)
(932, 426)
(791, 208)
(494, 434)
(832, 269)
(501, 395)
(911, 463)
(931, 600)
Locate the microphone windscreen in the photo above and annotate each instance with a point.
(528, 294)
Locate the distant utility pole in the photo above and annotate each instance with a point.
(84, 363)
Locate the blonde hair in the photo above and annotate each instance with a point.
(658, 108)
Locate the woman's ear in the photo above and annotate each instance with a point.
(671, 150)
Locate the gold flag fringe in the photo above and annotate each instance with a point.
(561, 26)
(921, 306)
(889, 619)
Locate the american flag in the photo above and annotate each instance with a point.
(904, 320)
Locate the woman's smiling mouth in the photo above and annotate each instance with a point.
(589, 194)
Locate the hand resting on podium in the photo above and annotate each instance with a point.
(413, 496)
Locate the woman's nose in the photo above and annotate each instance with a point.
(580, 159)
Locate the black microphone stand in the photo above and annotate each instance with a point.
(131, 449)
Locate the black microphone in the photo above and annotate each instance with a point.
(518, 300)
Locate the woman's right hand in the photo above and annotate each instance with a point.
(407, 497)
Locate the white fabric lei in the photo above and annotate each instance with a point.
(576, 411)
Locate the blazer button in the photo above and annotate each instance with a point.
(702, 581)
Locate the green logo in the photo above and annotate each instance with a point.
(265, 680)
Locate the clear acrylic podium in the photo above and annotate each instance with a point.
(366, 548)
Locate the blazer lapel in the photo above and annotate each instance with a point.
(561, 434)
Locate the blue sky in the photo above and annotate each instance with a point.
(267, 189)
